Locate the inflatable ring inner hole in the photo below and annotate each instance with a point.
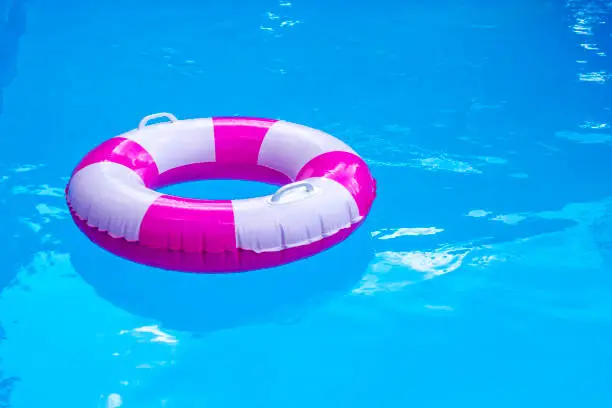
(215, 181)
(219, 171)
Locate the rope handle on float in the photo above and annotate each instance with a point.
(143, 123)
(293, 186)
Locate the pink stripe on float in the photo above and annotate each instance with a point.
(239, 139)
(125, 152)
(190, 225)
(223, 171)
(347, 169)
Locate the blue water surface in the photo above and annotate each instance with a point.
(482, 278)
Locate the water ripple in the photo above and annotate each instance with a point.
(392, 271)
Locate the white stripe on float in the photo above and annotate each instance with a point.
(177, 144)
(111, 197)
(288, 146)
(262, 226)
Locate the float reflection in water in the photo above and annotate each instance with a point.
(200, 303)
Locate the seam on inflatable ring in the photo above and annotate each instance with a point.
(307, 241)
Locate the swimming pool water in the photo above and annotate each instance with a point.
(483, 276)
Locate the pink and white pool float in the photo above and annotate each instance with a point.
(326, 191)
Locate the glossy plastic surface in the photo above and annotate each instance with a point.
(112, 188)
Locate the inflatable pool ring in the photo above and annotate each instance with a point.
(327, 191)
